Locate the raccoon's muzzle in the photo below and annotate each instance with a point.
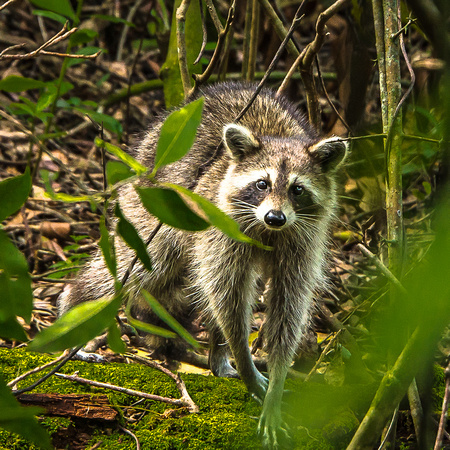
(275, 218)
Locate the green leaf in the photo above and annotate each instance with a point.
(45, 100)
(114, 19)
(178, 133)
(62, 7)
(86, 51)
(50, 15)
(21, 420)
(78, 325)
(114, 339)
(149, 328)
(83, 36)
(161, 312)
(123, 156)
(129, 234)
(67, 197)
(13, 193)
(427, 187)
(10, 328)
(109, 122)
(15, 289)
(106, 244)
(116, 171)
(14, 83)
(215, 216)
(169, 208)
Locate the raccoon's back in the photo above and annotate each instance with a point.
(268, 115)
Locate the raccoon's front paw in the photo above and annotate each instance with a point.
(259, 387)
(225, 369)
(274, 433)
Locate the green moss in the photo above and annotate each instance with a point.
(227, 417)
(319, 416)
(438, 390)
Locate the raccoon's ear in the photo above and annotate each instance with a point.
(238, 140)
(330, 152)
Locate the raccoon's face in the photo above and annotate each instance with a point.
(279, 183)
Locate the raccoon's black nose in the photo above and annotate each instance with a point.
(275, 218)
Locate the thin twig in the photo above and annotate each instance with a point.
(306, 64)
(319, 74)
(127, 431)
(58, 37)
(126, 27)
(181, 45)
(278, 26)
(204, 35)
(322, 355)
(6, 4)
(290, 74)
(13, 383)
(294, 25)
(158, 398)
(202, 78)
(444, 414)
(383, 269)
(253, 47)
(214, 15)
(175, 377)
(147, 243)
(390, 430)
(49, 374)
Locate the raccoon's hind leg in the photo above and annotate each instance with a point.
(219, 354)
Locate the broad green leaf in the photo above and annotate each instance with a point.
(20, 420)
(78, 325)
(15, 282)
(132, 238)
(14, 83)
(161, 312)
(114, 339)
(50, 15)
(62, 7)
(215, 216)
(169, 208)
(13, 193)
(10, 328)
(117, 171)
(106, 244)
(149, 328)
(178, 133)
(123, 156)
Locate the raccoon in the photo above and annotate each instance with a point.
(276, 177)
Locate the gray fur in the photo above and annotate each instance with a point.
(217, 275)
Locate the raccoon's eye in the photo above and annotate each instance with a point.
(262, 185)
(298, 190)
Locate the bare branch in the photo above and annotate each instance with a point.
(200, 79)
(58, 37)
(181, 44)
(306, 64)
(214, 16)
(6, 4)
